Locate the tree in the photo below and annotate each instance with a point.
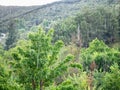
(1, 50)
(75, 82)
(37, 63)
(64, 30)
(101, 54)
(3, 72)
(119, 20)
(111, 80)
(6, 83)
(3, 77)
(102, 20)
(12, 36)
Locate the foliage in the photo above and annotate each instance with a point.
(35, 15)
(38, 62)
(41, 61)
(12, 36)
(98, 79)
(64, 30)
(103, 55)
(75, 82)
(1, 50)
(112, 80)
(6, 82)
(102, 20)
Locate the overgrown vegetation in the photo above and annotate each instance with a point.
(82, 52)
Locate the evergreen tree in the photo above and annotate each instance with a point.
(12, 35)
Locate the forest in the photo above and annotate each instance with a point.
(65, 45)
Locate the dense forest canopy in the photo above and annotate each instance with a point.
(65, 45)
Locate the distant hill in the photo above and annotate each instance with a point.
(34, 15)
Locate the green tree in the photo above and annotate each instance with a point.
(3, 72)
(112, 80)
(3, 77)
(38, 61)
(64, 30)
(75, 82)
(101, 54)
(102, 20)
(1, 50)
(12, 35)
(6, 82)
(119, 19)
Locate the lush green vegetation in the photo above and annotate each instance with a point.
(37, 64)
(102, 20)
(81, 52)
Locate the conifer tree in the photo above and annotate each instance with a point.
(12, 35)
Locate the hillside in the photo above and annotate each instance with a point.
(34, 15)
(46, 15)
(65, 45)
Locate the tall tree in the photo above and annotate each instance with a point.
(119, 18)
(38, 64)
(12, 35)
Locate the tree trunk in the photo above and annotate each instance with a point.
(33, 84)
(41, 84)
